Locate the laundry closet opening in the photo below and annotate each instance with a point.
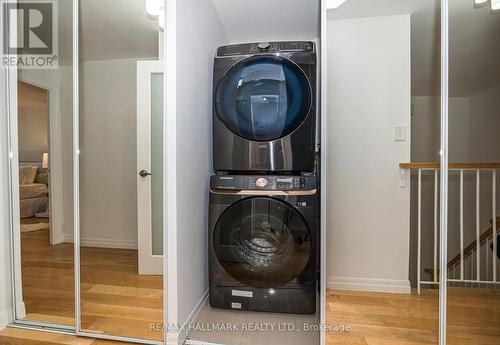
(247, 173)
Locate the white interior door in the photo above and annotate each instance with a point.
(150, 166)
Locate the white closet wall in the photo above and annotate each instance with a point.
(194, 31)
(265, 20)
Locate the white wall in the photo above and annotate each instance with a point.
(368, 96)
(108, 193)
(485, 125)
(194, 31)
(425, 122)
(425, 129)
(33, 122)
(266, 20)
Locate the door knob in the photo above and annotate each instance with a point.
(144, 173)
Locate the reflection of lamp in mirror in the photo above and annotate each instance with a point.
(153, 7)
(45, 161)
(331, 4)
(495, 5)
(161, 18)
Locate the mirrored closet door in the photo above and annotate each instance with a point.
(120, 170)
(473, 265)
(383, 222)
(41, 174)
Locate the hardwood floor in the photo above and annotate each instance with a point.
(15, 336)
(115, 299)
(373, 318)
(48, 279)
(388, 319)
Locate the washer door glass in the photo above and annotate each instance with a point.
(262, 242)
(263, 98)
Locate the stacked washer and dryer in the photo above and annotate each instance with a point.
(264, 197)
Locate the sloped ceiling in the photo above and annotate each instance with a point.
(266, 20)
(474, 37)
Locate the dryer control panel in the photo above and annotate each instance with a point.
(259, 182)
(266, 47)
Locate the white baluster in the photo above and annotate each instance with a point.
(419, 226)
(436, 173)
(461, 224)
(487, 259)
(478, 223)
(472, 268)
(494, 224)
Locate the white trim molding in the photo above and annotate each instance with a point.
(102, 242)
(149, 263)
(369, 284)
(50, 81)
(20, 309)
(181, 337)
(5, 318)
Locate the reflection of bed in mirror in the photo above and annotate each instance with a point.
(33, 189)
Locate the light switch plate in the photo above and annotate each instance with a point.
(400, 133)
(403, 178)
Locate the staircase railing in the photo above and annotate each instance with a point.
(470, 255)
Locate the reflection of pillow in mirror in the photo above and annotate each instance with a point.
(42, 178)
(27, 174)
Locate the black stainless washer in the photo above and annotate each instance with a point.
(263, 243)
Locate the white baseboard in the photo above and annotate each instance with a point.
(369, 285)
(197, 342)
(5, 318)
(173, 339)
(20, 310)
(102, 242)
(180, 337)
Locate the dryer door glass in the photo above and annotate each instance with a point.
(263, 242)
(263, 98)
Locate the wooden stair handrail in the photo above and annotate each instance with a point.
(459, 166)
(470, 248)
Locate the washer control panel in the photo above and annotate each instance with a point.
(256, 182)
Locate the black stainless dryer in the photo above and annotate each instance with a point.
(263, 243)
(264, 111)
